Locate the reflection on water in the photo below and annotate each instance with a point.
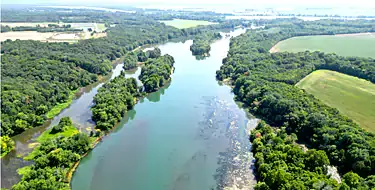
(155, 96)
(189, 135)
(201, 57)
(80, 113)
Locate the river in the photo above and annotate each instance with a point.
(80, 113)
(189, 135)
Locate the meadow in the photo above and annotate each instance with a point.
(180, 23)
(352, 96)
(361, 45)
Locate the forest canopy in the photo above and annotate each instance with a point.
(265, 82)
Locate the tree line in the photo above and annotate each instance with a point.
(266, 83)
(38, 28)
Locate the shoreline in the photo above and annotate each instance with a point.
(99, 139)
(75, 94)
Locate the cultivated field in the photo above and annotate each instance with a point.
(179, 23)
(352, 96)
(347, 45)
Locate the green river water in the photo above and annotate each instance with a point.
(189, 135)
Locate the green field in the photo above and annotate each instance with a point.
(352, 96)
(179, 23)
(346, 45)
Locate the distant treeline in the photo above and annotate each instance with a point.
(38, 28)
(265, 82)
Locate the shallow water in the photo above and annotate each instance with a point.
(190, 134)
(80, 113)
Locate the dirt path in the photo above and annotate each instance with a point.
(274, 49)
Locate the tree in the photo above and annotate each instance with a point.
(7, 144)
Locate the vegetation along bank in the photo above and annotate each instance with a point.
(265, 82)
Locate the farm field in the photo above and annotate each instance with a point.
(361, 45)
(180, 23)
(352, 96)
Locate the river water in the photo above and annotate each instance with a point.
(80, 113)
(189, 135)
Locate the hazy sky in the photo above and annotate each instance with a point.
(248, 3)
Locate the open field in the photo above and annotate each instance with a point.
(54, 36)
(346, 45)
(352, 96)
(99, 27)
(49, 36)
(180, 23)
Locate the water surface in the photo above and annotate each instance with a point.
(189, 135)
(78, 111)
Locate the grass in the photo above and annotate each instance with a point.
(68, 132)
(361, 45)
(59, 107)
(46, 135)
(180, 23)
(352, 96)
(100, 27)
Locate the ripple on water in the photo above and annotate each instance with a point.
(226, 122)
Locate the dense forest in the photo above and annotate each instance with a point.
(131, 59)
(37, 76)
(201, 43)
(283, 164)
(265, 83)
(39, 79)
(53, 158)
(156, 72)
(113, 100)
(119, 95)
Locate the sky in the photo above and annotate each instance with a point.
(248, 3)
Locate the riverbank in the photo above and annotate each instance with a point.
(77, 110)
(208, 131)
